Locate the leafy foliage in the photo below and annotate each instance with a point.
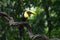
(46, 21)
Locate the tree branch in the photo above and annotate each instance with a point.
(29, 31)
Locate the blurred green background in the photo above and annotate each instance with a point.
(46, 21)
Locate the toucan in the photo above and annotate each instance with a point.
(26, 15)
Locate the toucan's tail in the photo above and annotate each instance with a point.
(21, 30)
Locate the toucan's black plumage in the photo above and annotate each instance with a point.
(25, 15)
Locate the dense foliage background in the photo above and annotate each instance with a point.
(46, 21)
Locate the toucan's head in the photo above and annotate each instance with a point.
(28, 12)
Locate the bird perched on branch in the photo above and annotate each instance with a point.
(26, 15)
